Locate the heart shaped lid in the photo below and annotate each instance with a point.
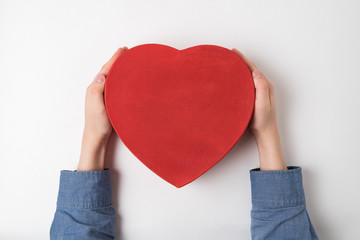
(179, 111)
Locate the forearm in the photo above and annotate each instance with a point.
(270, 152)
(92, 156)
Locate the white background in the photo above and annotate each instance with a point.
(51, 50)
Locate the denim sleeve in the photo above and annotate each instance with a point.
(278, 205)
(84, 206)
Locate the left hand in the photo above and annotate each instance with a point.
(97, 127)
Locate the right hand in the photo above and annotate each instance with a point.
(264, 117)
(263, 123)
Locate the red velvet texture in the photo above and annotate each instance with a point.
(179, 111)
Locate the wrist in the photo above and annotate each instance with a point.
(92, 135)
(94, 140)
(266, 134)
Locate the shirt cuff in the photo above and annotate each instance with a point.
(84, 189)
(279, 188)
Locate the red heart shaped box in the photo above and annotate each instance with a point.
(179, 111)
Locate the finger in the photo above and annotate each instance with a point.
(262, 86)
(249, 63)
(105, 69)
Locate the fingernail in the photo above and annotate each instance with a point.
(256, 73)
(100, 78)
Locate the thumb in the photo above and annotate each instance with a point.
(95, 94)
(99, 82)
(100, 78)
(96, 88)
(262, 95)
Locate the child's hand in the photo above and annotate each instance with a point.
(97, 127)
(263, 123)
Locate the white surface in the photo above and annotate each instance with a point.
(50, 51)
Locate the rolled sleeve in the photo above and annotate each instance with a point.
(281, 188)
(84, 206)
(84, 189)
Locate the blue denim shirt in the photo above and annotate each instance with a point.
(85, 210)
